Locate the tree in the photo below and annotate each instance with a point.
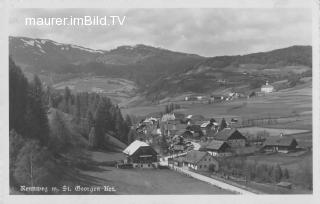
(277, 173)
(131, 136)
(18, 96)
(164, 144)
(92, 139)
(223, 124)
(16, 142)
(103, 119)
(36, 120)
(34, 165)
(286, 174)
(167, 110)
(77, 109)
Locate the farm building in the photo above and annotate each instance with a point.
(140, 154)
(280, 144)
(267, 88)
(231, 136)
(216, 148)
(200, 161)
(209, 126)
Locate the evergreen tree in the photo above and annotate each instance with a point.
(286, 174)
(92, 139)
(36, 117)
(102, 123)
(277, 173)
(223, 124)
(18, 96)
(78, 109)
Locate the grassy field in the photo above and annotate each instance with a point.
(137, 181)
(288, 102)
(117, 89)
(296, 163)
(271, 131)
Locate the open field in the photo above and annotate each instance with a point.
(292, 106)
(271, 131)
(117, 89)
(138, 181)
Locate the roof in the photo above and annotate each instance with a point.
(134, 146)
(279, 141)
(267, 86)
(194, 156)
(226, 133)
(205, 124)
(168, 116)
(215, 145)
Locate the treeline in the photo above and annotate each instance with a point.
(169, 108)
(32, 159)
(251, 171)
(95, 114)
(37, 149)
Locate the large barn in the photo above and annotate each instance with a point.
(231, 136)
(280, 144)
(217, 148)
(142, 155)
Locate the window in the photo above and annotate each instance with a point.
(200, 166)
(205, 166)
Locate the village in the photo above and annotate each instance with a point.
(210, 147)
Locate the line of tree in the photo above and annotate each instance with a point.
(31, 159)
(94, 114)
(252, 171)
(169, 108)
(36, 148)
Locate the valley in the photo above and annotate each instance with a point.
(100, 102)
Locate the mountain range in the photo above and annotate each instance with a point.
(159, 72)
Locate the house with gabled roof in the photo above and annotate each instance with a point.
(281, 144)
(216, 148)
(200, 161)
(231, 136)
(140, 154)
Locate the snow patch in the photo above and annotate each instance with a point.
(86, 49)
(28, 42)
(40, 48)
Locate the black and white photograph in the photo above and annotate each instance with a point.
(161, 101)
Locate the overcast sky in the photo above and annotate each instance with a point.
(207, 32)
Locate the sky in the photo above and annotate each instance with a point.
(207, 32)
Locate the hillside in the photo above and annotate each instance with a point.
(157, 72)
(66, 133)
(246, 71)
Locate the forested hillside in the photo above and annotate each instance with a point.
(47, 126)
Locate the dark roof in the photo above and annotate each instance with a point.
(215, 145)
(226, 133)
(280, 141)
(194, 156)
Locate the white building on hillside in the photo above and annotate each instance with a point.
(267, 88)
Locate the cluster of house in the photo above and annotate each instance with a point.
(265, 89)
(215, 98)
(216, 145)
